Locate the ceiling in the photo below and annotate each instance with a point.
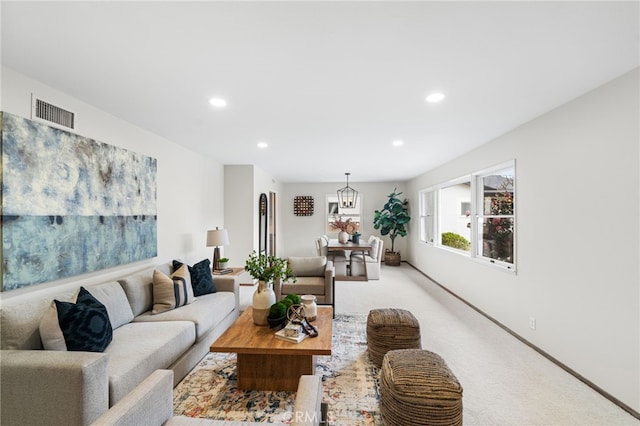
(328, 85)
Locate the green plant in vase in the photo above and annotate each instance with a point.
(266, 269)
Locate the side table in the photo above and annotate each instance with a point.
(232, 280)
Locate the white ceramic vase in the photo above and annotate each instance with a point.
(263, 298)
(310, 306)
(343, 237)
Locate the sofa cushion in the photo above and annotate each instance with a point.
(81, 324)
(50, 332)
(139, 290)
(308, 266)
(84, 324)
(206, 312)
(113, 297)
(304, 285)
(138, 349)
(201, 277)
(171, 292)
(20, 325)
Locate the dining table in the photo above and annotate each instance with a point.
(361, 247)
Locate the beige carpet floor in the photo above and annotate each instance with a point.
(505, 381)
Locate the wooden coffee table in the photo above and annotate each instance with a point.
(268, 363)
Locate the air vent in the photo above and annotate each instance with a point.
(50, 113)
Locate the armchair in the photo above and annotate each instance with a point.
(314, 275)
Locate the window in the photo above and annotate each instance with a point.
(495, 217)
(473, 215)
(455, 229)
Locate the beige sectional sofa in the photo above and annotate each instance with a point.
(76, 388)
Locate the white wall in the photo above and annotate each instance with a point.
(243, 186)
(239, 215)
(300, 231)
(578, 198)
(186, 180)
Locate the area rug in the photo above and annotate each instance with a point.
(349, 382)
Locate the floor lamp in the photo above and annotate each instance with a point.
(217, 237)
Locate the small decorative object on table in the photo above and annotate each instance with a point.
(292, 333)
(310, 307)
(355, 237)
(265, 269)
(344, 227)
(278, 311)
(222, 263)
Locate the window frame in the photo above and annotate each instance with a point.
(479, 215)
(424, 214)
(476, 215)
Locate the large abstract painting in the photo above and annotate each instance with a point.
(71, 205)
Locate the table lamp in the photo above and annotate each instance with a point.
(217, 237)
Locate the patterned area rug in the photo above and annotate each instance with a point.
(349, 382)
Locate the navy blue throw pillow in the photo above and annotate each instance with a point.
(85, 324)
(201, 278)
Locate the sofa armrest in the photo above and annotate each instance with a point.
(307, 406)
(51, 387)
(151, 403)
(228, 283)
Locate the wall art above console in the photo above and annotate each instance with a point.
(70, 204)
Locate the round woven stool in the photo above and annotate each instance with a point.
(389, 329)
(417, 388)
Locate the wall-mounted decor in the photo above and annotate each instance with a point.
(71, 205)
(303, 205)
(262, 224)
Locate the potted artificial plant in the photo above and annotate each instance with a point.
(391, 220)
(223, 262)
(277, 317)
(265, 269)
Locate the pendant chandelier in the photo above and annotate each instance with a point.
(347, 196)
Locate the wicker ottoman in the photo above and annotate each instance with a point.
(389, 329)
(417, 388)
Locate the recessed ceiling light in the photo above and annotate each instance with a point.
(397, 142)
(435, 97)
(262, 144)
(218, 102)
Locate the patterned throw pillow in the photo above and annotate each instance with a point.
(201, 278)
(171, 292)
(85, 324)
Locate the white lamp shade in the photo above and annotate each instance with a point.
(217, 237)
